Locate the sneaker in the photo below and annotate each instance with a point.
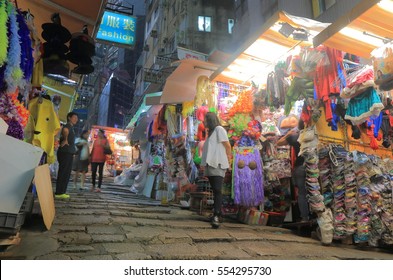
(215, 222)
(97, 190)
(62, 196)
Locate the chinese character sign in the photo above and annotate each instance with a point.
(117, 28)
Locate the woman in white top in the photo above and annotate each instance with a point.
(216, 157)
(81, 159)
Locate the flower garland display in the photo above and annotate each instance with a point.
(238, 123)
(244, 103)
(8, 109)
(22, 111)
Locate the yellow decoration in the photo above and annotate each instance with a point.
(204, 93)
(188, 108)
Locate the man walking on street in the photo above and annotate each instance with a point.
(65, 155)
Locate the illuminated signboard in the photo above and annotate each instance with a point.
(117, 29)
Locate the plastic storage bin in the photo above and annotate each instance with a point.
(11, 223)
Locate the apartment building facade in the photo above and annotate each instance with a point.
(178, 28)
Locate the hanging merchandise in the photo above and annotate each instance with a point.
(358, 82)
(82, 49)
(54, 57)
(13, 73)
(247, 177)
(363, 106)
(3, 34)
(43, 124)
(243, 104)
(383, 66)
(204, 93)
(326, 76)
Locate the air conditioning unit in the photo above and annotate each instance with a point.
(146, 48)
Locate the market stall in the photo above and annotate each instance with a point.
(121, 156)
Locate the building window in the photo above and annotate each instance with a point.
(204, 24)
(320, 6)
(231, 23)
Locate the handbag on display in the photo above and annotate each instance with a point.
(107, 150)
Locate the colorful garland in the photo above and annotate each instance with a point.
(13, 74)
(22, 111)
(8, 109)
(27, 60)
(238, 123)
(3, 32)
(244, 103)
(14, 129)
(187, 108)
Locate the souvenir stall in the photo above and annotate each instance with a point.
(347, 130)
(355, 158)
(258, 114)
(16, 68)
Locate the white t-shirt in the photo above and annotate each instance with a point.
(214, 153)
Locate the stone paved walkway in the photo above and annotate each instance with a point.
(119, 225)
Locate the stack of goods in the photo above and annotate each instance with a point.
(325, 176)
(381, 211)
(337, 156)
(362, 166)
(350, 195)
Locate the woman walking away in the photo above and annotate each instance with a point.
(98, 158)
(81, 159)
(216, 157)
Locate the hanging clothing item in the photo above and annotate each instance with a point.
(325, 77)
(361, 107)
(45, 121)
(248, 178)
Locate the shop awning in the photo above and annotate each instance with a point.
(180, 86)
(144, 107)
(256, 57)
(361, 30)
(74, 13)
